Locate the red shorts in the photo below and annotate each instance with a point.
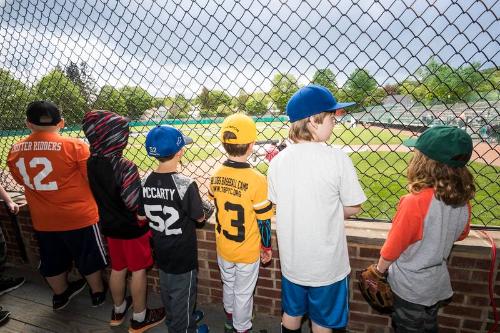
(133, 254)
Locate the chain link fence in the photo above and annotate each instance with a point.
(408, 64)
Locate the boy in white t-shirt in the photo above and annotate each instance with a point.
(314, 187)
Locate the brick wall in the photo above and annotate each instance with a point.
(469, 310)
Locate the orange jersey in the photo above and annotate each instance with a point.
(53, 171)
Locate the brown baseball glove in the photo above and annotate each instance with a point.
(375, 288)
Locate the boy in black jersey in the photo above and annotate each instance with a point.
(172, 205)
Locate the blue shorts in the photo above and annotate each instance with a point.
(59, 249)
(327, 306)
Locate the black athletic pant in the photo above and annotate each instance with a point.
(414, 318)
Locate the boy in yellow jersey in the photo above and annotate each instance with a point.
(243, 229)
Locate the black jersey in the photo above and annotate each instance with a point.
(172, 204)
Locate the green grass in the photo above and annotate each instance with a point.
(383, 178)
(365, 136)
(382, 174)
(206, 138)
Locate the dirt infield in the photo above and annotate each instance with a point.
(483, 153)
(486, 153)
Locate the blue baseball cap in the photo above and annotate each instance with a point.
(164, 141)
(310, 100)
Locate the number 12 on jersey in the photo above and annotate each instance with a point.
(40, 176)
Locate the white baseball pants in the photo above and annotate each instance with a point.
(239, 282)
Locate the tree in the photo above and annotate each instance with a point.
(210, 101)
(224, 110)
(180, 107)
(159, 101)
(414, 88)
(255, 106)
(361, 88)
(110, 99)
(407, 87)
(438, 82)
(326, 78)
(14, 97)
(489, 88)
(239, 102)
(81, 77)
(56, 87)
(391, 89)
(137, 100)
(284, 86)
(471, 81)
(203, 100)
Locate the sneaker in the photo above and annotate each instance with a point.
(4, 316)
(202, 329)
(9, 284)
(198, 315)
(153, 317)
(74, 288)
(118, 318)
(99, 297)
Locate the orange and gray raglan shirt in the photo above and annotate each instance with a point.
(420, 240)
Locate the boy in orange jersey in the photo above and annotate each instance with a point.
(53, 171)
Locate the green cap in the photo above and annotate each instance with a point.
(446, 144)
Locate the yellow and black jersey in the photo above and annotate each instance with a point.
(240, 197)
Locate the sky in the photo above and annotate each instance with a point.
(170, 47)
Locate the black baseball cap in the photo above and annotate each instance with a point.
(38, 110)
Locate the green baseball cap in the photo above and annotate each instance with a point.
(446, 144)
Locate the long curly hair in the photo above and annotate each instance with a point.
(453, 186)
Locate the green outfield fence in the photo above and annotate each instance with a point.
(409, 65)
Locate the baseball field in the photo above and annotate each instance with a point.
(377, 153)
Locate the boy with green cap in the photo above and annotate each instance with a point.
(428, 220)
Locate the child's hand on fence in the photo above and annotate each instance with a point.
(13, 207)
(265, 255)
(208, 209)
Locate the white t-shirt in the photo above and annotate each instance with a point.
(310, 183)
